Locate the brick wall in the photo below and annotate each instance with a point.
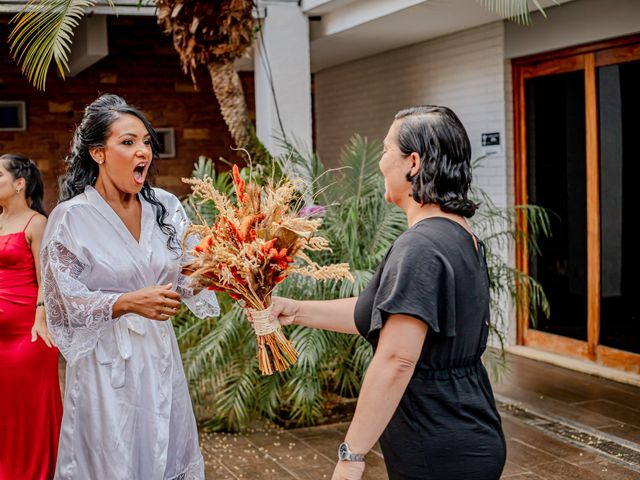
(143, 68)
(464, 71)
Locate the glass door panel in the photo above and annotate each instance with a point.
(619, 121)
(556, 180)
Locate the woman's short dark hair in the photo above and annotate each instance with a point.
(93, 132)
(438, 136)
(21, 166)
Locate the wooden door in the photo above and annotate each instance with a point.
(572, 124)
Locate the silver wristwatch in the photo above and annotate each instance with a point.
(346, 455)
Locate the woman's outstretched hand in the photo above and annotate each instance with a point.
(284, 310)
(157, 302)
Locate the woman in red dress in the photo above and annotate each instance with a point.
(30, 404)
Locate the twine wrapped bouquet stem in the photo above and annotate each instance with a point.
(275, 351)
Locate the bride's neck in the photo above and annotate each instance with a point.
(113, 195)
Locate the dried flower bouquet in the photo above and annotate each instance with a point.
(252, 247)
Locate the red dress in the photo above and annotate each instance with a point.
(30, 404)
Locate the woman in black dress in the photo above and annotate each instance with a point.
(426, 395)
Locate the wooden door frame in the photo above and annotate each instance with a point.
(586, 58)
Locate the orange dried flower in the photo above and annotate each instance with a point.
(204, 245)
(238, 183)
(247, 224)
(268, 245)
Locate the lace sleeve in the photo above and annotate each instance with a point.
(203, 304)
(76, 316)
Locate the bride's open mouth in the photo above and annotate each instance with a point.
(140, 172)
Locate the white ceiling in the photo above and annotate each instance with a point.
(338, 37)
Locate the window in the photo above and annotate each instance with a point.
(13, 116)
(167, 139)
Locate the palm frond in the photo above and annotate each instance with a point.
(268, 396)
(515, 10)
(304, 396)
(311, 344)
(353, 354)
(495, 360)
(231, 401)
(360, 178)
(43, 33)
(388, 222)
(353, 289)
(231, 330)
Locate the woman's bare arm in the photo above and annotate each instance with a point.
(334, 315)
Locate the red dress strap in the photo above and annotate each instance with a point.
(32, 216)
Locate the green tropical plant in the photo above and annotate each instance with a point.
(220, 354)
(515, 10)
(501, 228)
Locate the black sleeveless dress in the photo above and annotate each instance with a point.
(446, 426)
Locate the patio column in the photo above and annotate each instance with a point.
(283, 76)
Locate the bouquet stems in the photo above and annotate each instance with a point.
(275, 351)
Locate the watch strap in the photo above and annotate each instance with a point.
(345, 454)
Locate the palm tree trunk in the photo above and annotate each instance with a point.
(233, 105)
(228, 90)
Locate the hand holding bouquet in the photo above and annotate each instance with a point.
(252, 247)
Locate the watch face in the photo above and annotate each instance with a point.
(343, 451)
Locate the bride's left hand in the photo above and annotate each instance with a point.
(348, 471)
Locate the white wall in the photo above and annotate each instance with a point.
(283, 70)
(464, 71)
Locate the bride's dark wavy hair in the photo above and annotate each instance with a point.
(437, 135)
(93, 132)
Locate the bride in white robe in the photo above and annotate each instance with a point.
(127, 410)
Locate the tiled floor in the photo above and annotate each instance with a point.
(531, 395)
(306, 453)
(593, 405)
(602, 408)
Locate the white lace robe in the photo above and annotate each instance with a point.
(127, 411)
